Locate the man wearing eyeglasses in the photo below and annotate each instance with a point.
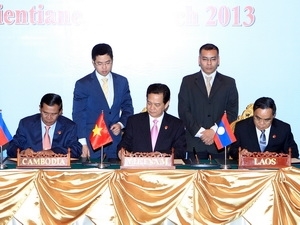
(263, 132)
(101, 91)
(47, 132)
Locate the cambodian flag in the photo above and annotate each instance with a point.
(224, 135)
(5, 136)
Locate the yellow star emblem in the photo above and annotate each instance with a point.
(97, 130)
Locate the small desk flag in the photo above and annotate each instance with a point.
(100, 134)
(224, 135)
(5, 136)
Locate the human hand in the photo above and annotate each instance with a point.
(27, 151)
(121, 152)
(85, 151)
(116, 128)
(207, 136)
(45, 153)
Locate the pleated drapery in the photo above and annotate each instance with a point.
(150, 196)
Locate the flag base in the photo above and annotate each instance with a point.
(103, 165)
(3, 166)
(225, 167)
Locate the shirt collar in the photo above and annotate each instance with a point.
(212, 75)
(99, 76)
(159, 118)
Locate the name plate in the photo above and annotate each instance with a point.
(266, 160)
(140, 160)
(38, 162)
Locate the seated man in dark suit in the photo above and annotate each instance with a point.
(263, 132)
(47, 131)
(140, 129)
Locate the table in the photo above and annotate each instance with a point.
(181, 196)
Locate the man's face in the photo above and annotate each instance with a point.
(103, 64)
(209, 61)
(155, 105)
(263, 118)
(49, 114)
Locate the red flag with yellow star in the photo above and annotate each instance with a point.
(100, 135)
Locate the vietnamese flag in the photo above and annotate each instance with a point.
(5, 136)
(224, 135)
(100, 135)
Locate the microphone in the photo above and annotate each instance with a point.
(196, 156)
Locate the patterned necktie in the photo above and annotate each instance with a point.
(105, 87)
(208, 85)
(154, 133)
(262, 141)
(46, 139)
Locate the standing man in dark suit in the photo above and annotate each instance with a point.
(171, 132)
(263, 132)
(202, 100)
(62, 131)
(101, 90)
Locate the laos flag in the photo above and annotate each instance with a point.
(224, 135)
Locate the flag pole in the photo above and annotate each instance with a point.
(225, 166)
(101, 164)
(2, 166)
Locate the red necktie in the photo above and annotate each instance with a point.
(154, 133)
(46, 139)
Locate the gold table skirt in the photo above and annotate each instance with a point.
(150, 197)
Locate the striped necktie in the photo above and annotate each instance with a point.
(262, 141)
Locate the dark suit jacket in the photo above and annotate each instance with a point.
(29, 135)
(280, 138)
(88, 103)
(198, 110)
(137, 136)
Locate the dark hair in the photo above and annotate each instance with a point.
(265, 103)
(158, 88)
(51, 99)
(101, 49)
(208, 46)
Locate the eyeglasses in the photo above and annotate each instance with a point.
(261, 120)
(103, 63)
(49, 114)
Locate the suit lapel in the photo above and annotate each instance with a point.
(162, 131)
(117, 93)
(58, 130)
(273, 134)
(95, 86)
(144, 131)
(201, 83)
(38, 134)
(217, 83)
(253, 134)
